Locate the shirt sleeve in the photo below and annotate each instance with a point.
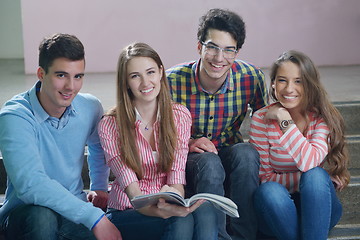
(261, 97)
(309, 152)
(109, 138)
(182, 119)
(24, 167)
(99, 171)
(260, 139)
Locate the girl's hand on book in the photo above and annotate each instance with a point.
(169, 210)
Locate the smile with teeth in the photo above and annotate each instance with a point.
(216, 66)
(147, 90)
(290, 97)
(66, 95)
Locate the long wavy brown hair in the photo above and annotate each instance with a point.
(126, 116)
(316, 100)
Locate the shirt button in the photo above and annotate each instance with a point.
(209, 135)
(211, 117)
(211, 98)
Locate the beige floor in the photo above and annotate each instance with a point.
(341, 82)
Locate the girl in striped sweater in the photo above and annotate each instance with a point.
(297, 136)
(145, 140)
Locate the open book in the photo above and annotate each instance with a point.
(224, 204)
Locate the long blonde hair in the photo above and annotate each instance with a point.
(316, 100)
(126, 116)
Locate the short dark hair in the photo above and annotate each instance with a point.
(59, 45)
(223, 20)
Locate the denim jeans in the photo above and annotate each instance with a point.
(309, 214)
(31, 222)
(200, 225)
(233, 172)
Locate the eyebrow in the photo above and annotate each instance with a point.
(279, 76)
(218, 45)
(150, 68)
(131, 73)
(63, 72)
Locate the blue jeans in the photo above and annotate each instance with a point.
(201, 224)
(31, 222)
(233, 172)
(309, 214)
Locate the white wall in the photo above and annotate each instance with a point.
(11, 41)
(327, 30)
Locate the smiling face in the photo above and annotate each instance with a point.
(288, 86)
(214, 69)
(60, 85)
(144, 77)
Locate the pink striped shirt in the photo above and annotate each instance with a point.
(152, 181)
(283, 157)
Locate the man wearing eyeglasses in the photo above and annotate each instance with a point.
(217, 89)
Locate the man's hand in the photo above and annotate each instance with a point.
(98, 198)
(105, 230)
(201, 145)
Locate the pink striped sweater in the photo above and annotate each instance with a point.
(283, 157)
(152, 181)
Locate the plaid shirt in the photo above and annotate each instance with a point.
(219, 116)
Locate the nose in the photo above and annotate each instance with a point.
(70, 83)
(290, 86)
(145, 80)
(219, 55)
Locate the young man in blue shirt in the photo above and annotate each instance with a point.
(43, 133)
(217, 89)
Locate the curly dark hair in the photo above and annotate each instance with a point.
(222, 20)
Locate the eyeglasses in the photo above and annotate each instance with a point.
(214, 50)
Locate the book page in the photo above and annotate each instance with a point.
(150, 199)
(222, 203)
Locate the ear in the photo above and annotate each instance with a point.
(199, 47)
(161, 70)
(273, 84)
(40, 73)
(237, 54)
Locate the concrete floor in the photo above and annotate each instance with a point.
(341, 82)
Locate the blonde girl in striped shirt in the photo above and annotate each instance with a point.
(145, 140)
(296, 136)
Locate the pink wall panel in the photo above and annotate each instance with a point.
(327, 30)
